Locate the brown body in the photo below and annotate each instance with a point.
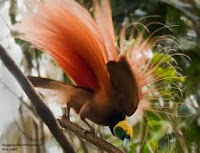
(103, 107)
(85, 102)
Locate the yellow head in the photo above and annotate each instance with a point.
(123, 130)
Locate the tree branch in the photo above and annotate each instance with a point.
(190, 15)
(193, 17)
(46, 115)
(90, 137)
(43, 111)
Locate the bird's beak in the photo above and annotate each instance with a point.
(126, 140)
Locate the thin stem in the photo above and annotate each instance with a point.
(179, 135)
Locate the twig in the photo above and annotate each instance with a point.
(40, 124)
(43, 111)
(24, 139)
(190, 15)
(143, 134)
(83, 145)
(37, 62)
(194, 18)
(179, 135)
(19, 98)
(22, 102)
(80, 132)
(22, 131)
(42, 136)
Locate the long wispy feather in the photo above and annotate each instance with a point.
(103, 18)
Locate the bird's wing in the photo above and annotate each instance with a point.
(54, 91)
(124, 85)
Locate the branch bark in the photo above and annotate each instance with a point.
(43, 111)
(46, 115)
(89, 137)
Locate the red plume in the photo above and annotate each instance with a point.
(68, 33)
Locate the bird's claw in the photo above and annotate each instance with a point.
(66, 113)
(65, 117)
(90, 131)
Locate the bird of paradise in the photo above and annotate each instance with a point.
(111, 81)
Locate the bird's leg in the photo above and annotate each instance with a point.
(91, 129)
(83, 114)
(66, 112)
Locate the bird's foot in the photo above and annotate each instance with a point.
(66, 113)
(65, 117)
(90, 131)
